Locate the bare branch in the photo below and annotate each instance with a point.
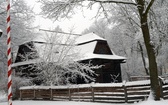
(113, 1)
(149, 6)
(60, 32)
(104, 11)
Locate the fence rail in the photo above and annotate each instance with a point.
(128, 92)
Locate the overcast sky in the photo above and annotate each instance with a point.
(79, 22)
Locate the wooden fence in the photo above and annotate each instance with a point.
(128, 92)
(164, 89)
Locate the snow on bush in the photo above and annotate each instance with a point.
(3, 96)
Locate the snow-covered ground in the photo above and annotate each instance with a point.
(149, 102)
(3, 96)
(3, 99)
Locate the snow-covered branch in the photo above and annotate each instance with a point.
(114, 1)
(61, 68)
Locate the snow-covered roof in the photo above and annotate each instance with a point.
(25, 62)
(87, 52)
(53, 37)
(101, 56)
(76, 50)
(86, 48)
(88, 37)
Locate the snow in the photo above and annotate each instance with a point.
(88, 37)
(144, 82)
(3, 101)
(102, 56)
(25, 62)
(82, 51)
(148, 102)
(74, 86)
(3, 97)
(86, 48)
(43, 37)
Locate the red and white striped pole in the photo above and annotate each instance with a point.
(9, 55)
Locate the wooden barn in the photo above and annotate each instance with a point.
(93, 49)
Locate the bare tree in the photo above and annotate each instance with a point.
(21, 19)
(57, 60)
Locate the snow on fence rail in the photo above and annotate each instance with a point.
(164, 89)
(112, 92)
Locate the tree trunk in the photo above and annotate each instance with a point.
(143, 58)
(152, 61)
(150, 51)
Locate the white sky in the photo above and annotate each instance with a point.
(78, 23)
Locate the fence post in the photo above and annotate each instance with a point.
(69, 94)
(51, 94)
(34, 91)
(125, 91)
(92, 89)
(78, 93)
(20, 94)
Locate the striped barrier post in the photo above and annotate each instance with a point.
(9, 55)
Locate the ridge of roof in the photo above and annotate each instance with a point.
(88, 38)
(84, 38)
